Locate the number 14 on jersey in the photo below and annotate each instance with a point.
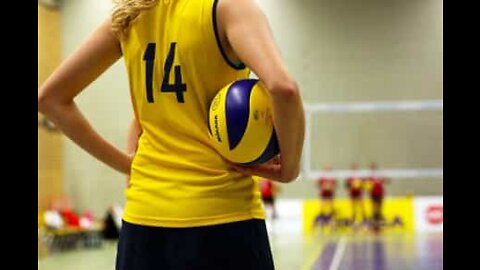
(178, 87)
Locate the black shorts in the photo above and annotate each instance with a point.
(268, 199)
(242, 245)
(377, 199)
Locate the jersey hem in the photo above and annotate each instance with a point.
(192, 222)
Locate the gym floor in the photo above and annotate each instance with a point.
(292, 251)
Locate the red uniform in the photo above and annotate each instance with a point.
(266, 188)
(355, 187)
(327, 187)
(376, 188)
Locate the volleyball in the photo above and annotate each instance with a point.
(240, 123)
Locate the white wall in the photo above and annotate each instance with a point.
(342, 50)
(369, 50)
(106, 103)
(350, 50)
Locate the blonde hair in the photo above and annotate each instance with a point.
(125, 11)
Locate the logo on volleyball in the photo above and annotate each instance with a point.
(217, 132)
(215, 102)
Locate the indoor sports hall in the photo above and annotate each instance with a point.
(370, 192)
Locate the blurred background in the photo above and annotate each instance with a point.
(371, 77)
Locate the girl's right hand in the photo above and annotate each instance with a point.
(271, 170)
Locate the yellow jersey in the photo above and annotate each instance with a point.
(175, 67)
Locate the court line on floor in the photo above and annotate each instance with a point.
(337, 256)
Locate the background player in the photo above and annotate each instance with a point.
(375, 186)
(269, 192)
(326, 186)
(355, 186)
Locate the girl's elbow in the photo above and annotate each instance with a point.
(43, 103)
(47, 103)
(289, 177)
(287, 89)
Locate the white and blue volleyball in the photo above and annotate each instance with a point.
(240, 123)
